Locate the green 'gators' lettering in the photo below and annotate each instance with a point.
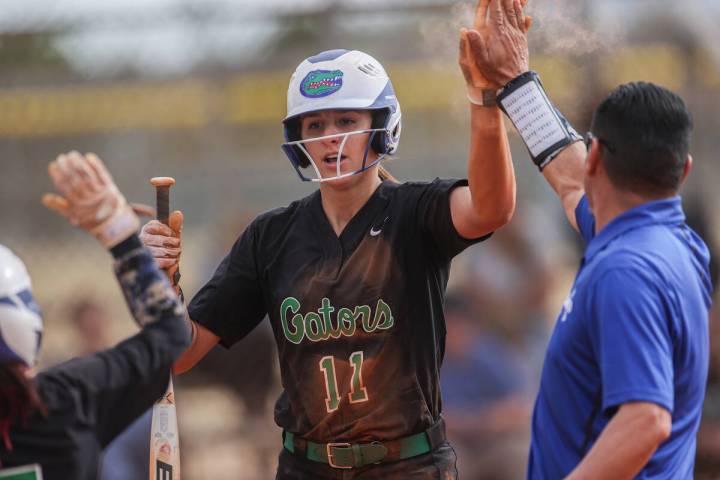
(321, 325)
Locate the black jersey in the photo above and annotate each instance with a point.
(358, 318)
(91, 400)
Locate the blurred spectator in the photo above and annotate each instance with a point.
(497, 333)
(128, 455)
(707, 464)
(91, 322)
(486, 397)
(508, 283)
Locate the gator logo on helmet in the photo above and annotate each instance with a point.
(321, 83)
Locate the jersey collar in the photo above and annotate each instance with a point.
(667, 211)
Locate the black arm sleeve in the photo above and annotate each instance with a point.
(115, 386)
(435, 221)
(232, 304)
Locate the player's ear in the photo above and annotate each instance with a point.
(593, 162)
(687, 169)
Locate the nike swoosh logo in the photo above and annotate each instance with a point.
(374, 232)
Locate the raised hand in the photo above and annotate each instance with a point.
(495, 51)
(89, 198)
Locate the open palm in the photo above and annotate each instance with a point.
(495, 51)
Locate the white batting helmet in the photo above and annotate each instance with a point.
(21, 323)
(341, 80)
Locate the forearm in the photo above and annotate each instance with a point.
(203, 340)
(146, 289)
(490, 171)
(626, 444)
(565, 175)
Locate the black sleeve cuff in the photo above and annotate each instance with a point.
(129, 244)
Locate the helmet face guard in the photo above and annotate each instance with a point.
(308, 169)
(21, 323)
(341, 80)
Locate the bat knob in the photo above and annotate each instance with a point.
(162, 181)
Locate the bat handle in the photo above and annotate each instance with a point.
(162, 197)
(162, 204)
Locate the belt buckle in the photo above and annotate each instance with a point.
(329, 446)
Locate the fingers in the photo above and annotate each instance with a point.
(164, 252)
(76, 176)
(510, 13)
(80, 169)
(156, 228)
(166, 263)
(100, 170)
(497, 15)
(58, 171)
(524, 21)
(151, 240)
(481, 13)
(175, 220)
(143, 210)
(519, 15)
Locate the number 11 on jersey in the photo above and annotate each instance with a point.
(358, 392)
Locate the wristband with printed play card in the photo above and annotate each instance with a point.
(545, 131)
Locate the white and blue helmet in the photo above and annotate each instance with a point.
(21, 323)
(341, 80)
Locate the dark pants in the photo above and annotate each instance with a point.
(436, 465)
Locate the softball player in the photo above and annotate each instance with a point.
(63, 417)
(353, 276)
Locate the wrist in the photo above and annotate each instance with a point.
(125, 246)
(482, 96)
(121, 224)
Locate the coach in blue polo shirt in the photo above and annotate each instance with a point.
(624, 375)
(625, 371)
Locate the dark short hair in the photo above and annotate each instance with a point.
(644, 132)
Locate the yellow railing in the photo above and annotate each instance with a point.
(259, 98)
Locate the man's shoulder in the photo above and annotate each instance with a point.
(656, 252)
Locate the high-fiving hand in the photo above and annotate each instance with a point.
(496, 50)
(89, 198)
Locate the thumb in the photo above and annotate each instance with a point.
(175, 221)
(464, 57)
(142, 210)
(57, 204)
(478, 47)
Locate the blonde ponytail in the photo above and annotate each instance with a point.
(384, 174)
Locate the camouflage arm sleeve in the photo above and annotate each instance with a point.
(147, 290)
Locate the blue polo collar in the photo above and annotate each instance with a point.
(667, 211)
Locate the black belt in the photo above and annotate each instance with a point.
(349, 455)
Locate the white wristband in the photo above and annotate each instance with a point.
(121, 224)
